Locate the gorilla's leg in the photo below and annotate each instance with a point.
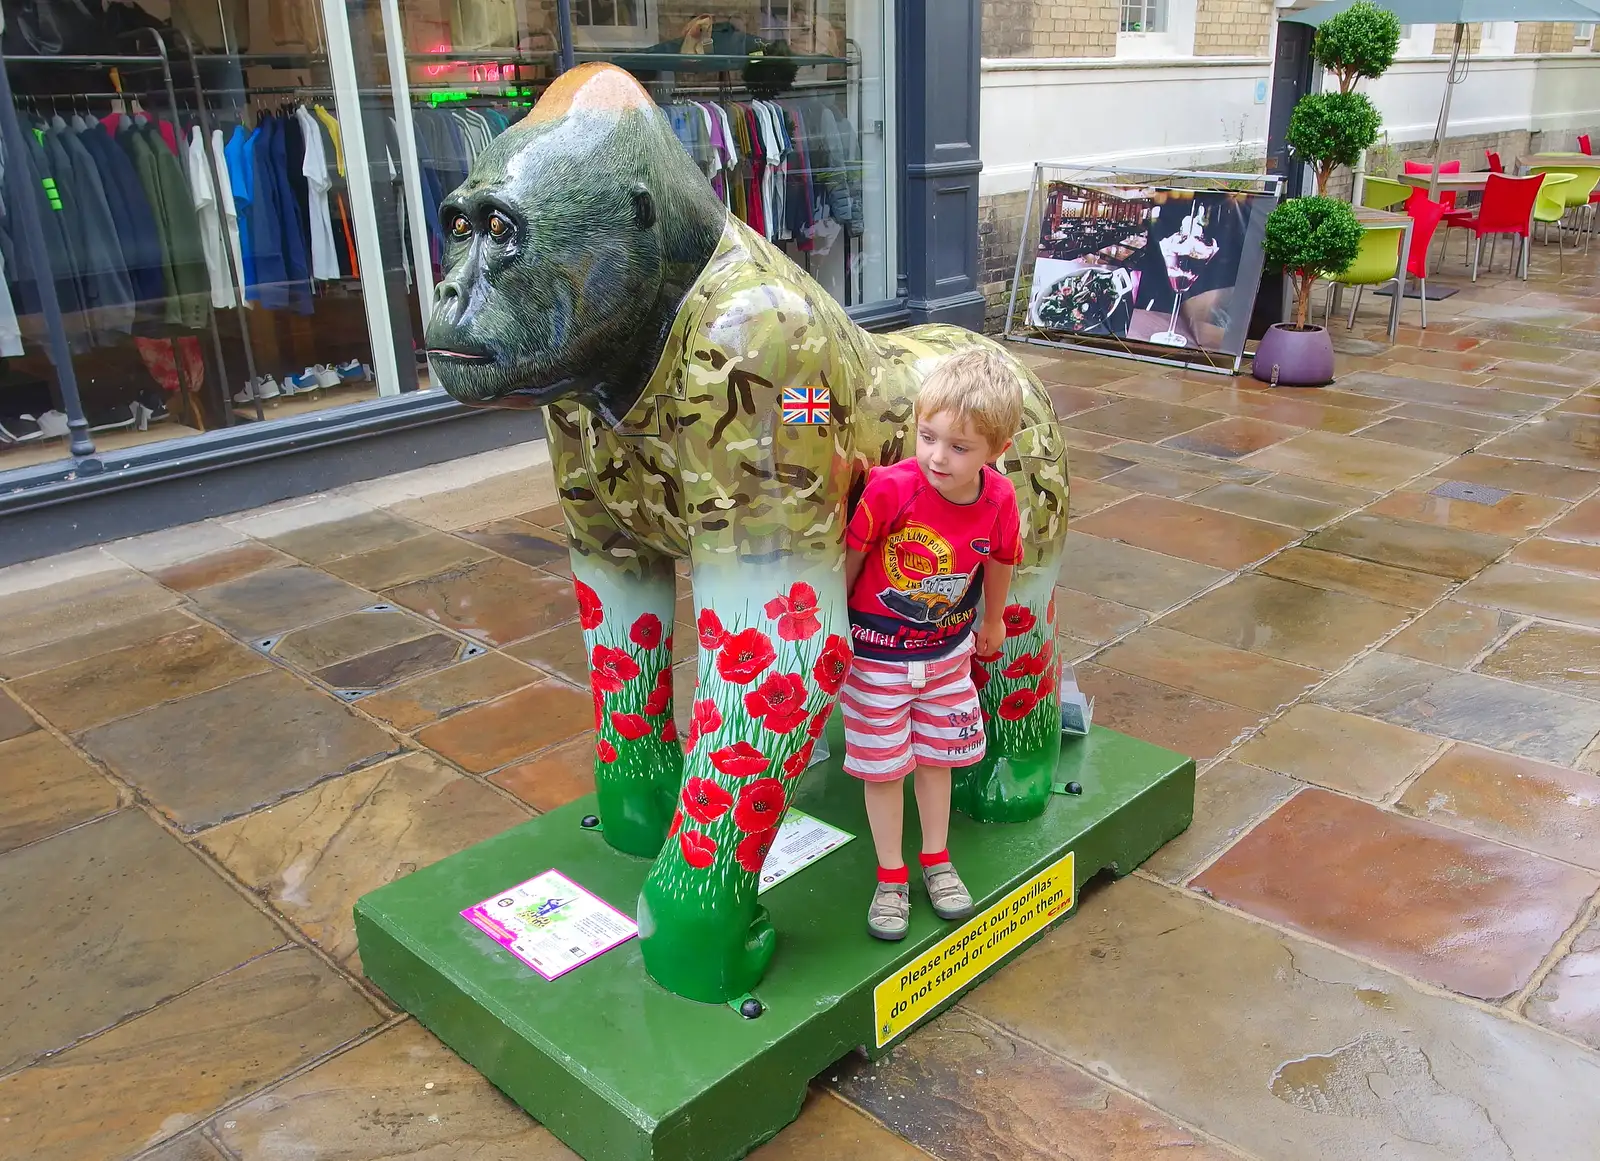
(1021, 705)
(625, 606)
(774, 651)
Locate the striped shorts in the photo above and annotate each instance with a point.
(891, 725)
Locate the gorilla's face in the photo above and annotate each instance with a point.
(552, 267)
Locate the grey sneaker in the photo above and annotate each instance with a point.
(889, 917)
(947, 892)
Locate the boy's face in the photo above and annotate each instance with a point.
(951, 454)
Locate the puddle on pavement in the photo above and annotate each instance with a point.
(1375, 998)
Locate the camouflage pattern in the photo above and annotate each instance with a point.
(703, 467)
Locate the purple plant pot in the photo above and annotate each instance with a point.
(1287, 357)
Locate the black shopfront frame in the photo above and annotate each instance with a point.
(103, 496)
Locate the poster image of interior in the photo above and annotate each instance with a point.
(922, 588)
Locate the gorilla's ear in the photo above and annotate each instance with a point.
(644, 208)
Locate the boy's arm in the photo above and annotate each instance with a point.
(997, 570)
(854, 558)
(991, 634)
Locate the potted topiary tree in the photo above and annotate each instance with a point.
(1307, 238)
(1331, 129)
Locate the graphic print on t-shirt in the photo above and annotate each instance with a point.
(922, 586)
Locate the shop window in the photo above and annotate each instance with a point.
(614, 23)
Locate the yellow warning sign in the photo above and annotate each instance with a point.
(920, 986)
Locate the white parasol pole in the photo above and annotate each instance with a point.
(1444, 114)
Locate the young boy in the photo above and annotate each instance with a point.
(930, 534)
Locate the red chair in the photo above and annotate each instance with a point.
(1507, 208)
(1425, 218)
(1448, 200)
(1493, 159)
(1583, 144)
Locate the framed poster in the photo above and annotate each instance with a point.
(1159, 264)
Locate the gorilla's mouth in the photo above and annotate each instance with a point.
(473, 358)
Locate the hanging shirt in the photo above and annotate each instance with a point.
(130, 210)
(230, 212)
(266, 230)
(10, 333)
(210, 217)
(102, 269)
(297, 266)
(324, 255)
(241, 163)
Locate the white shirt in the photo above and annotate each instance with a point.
(205, 204)
(324, 258)
(230, 210)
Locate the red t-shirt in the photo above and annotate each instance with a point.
(920, 583)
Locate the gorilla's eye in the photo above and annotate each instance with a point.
(499, 227)
(460, 228)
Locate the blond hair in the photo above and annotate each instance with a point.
(980, 387)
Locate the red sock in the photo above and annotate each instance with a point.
(900, 874)
(936, 858)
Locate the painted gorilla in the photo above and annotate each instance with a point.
(592, 271)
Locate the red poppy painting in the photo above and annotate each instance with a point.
(646, 631)
(606, 751)
(712, 634)
(752, 849)
(833, 666)
(610, 669)
(744, 655)
(779, 703)
(796, 613)
(590, 612)
(632, 727)
(705, 799)
(1018, 619)
(677, 824)
(1015, 706)
(698, 849)
(660, 699)
(819, 722)
(740, 760)
(760, 805)
(795, 764)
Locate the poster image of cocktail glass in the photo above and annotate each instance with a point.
(1187, 295)
(1082, 299)
(1185, 251)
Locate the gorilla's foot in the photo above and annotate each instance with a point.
(635, 791)
(708, 948)
(1006, 787)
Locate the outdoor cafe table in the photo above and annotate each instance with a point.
(1448, 182)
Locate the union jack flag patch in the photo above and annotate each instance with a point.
(805, 404)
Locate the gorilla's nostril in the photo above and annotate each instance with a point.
(444, 290)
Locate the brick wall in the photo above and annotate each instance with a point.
(1444, 36)
(1034, 28)
(1545, 37)
(1232, 27)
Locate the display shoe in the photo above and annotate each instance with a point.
(326, 375)
(20, 429)
(53, 424)
(267, 388)
(307, 380)
(355, 371)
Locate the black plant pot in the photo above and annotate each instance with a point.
(1290, 356)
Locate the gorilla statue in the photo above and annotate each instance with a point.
(706, 399)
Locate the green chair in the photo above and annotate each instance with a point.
(1377, 264)
(1578, 194)
(1380, 193)
(1551, 206)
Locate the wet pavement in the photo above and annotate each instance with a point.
(1371, 612)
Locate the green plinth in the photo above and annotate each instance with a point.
(621, 1069)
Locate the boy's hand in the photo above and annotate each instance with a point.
(990, 638)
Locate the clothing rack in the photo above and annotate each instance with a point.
(80, 441)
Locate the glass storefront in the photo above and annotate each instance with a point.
(234, 202)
